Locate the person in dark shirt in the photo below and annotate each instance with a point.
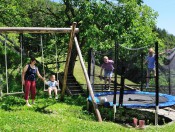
(108, 68)
(29, 80)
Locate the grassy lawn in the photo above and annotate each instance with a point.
(51, 115)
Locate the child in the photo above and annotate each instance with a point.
(150, 60)
(108, 68)
(53, 86)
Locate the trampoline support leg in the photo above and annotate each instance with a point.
(114, 110)
(87, 104)
(156, 115)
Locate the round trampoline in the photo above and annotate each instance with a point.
(134, 99)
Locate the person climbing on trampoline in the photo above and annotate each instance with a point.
(150, 60)
(53, 86)
(151, 64)
(108, 68)
(29, 80)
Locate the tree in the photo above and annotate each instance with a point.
(103, 22)
(100, 22)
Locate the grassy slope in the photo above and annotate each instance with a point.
(78, 72)
(50, 115)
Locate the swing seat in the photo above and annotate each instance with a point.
(58, 89)
(45, 90)
(14, 93)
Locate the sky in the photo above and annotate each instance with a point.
(166, 11)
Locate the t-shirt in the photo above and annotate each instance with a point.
(52, 83)
(151, 61)
(108, 65)
(30, 73)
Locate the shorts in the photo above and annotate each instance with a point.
(52, 87)
(108, 73)
(151, 70)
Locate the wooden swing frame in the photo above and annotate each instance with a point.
(72, 30)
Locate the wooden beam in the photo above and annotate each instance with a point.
(36, 30)
(88, 81)
(68, 60)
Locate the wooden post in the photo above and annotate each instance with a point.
(88, 81)
(68, 60)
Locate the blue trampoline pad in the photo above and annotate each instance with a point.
(134, 99)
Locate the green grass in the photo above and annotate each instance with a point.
(49, 115)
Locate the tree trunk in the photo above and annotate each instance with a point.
(72, 60)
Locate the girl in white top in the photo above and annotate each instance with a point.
(53, 86)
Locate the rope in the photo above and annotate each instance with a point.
(42, 58)
(104, 53)
(6, 68)
(56, 52)
(6, 65)
(21, 42)
(56, 58)
(133, 48)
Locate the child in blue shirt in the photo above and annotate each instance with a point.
(53, 86)
(150, 60)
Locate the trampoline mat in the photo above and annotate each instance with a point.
(134, 98)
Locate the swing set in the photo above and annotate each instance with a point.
(72, 30)
(28, 30)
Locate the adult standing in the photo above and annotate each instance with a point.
(29, 80)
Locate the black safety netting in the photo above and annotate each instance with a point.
(135, 70)
(167, 73)
(96, 60)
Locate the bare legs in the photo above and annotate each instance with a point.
(148, 76)
(50, 89)
(109, 82)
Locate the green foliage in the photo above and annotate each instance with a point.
(166, 38)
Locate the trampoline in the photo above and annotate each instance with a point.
(134, 99)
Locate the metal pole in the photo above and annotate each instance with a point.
(141, 72)
(122, 87)
(157, 83)
(89, 66)
(169, 79)
(115, 77)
